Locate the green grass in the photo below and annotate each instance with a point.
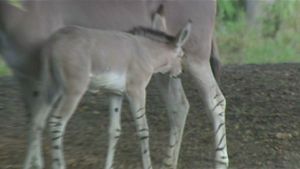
(240, 43)
(4, 70)
(250, 47)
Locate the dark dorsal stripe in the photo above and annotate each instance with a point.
(152, 34)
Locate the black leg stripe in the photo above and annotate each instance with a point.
(57, 117)
(54, 124)
(144, 137)
(219, 127)
(141, 130)
(140, 109)
(55, 138)
(221, 140)
(218, 104)
(217, 95)
(56, 147)
(141, 116)
(56, 160)
(221, 148)
(58, 124)
(55, 131)
(223, 157)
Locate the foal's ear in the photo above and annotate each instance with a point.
(159, 20)
(184, 34)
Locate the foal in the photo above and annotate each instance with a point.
(76, 59)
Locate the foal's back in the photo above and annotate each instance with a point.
(97, 49)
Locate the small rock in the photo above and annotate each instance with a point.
(96, 112)
(284, 136)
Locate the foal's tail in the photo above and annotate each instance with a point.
(58, 85)
(215, 62)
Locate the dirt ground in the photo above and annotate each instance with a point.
(263, 125)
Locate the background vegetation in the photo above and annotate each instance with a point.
(4, 70)
(273, 37)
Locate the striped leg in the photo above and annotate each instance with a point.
(215, 101)
(57, 125)
(177, 105)
(34, 158)
(137, 99)
(114, 129)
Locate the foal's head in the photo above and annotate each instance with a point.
(177, 45)
(159, 23)
(174, 51)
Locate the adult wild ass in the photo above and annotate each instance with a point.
(23, 31)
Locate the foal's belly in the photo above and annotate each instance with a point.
(110, 82)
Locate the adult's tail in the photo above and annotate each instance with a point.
(215, 62)
(7, 52)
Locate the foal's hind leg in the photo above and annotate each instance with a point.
(215, 102)
(177, 105)
(114, 128)
(58, 122)
(137, 100)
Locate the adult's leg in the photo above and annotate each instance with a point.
(39, 104)
(39, 115)
(172, 92)
(215, 102)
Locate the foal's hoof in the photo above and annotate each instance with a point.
(221, 165)
(167, 166)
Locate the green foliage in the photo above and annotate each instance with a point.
(277, 14)
(16, 3)
(229, 9)
(277, 41)
(4, 70)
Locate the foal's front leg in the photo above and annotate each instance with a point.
(137, 100)
(114, 128)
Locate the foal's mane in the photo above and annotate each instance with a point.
(152, 34)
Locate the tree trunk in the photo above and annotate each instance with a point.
(254, 10)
